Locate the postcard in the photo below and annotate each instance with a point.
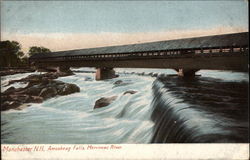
(124, 80)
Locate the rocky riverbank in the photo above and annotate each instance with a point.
(39, 88)
(11, 71)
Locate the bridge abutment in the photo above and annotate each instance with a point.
(186, 72)
(104, 73)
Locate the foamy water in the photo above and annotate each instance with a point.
(71, 119)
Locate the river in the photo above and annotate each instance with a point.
(212, 106)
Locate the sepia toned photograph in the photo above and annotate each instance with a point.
(121, 76)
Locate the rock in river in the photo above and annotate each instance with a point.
(118, 82)
(104, 101)
(129, 92)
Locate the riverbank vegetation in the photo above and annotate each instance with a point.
(11, 54)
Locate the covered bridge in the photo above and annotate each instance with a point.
(173, 54)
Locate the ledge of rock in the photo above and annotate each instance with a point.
(104, 101)
(9, 71)
(38, 78)
(39, 88)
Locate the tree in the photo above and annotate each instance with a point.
(35, 50)
(12, 56)
(8, 53)
(20, 54)
(25, 61)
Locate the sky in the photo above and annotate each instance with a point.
(64, 25)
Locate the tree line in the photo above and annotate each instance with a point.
(11, 54)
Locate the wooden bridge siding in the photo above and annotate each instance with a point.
(232, 62)
(221, 51)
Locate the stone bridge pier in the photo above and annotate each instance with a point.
(105, 73)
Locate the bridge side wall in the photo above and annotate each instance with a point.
(237, 62)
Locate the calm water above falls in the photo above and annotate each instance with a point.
(134, 118)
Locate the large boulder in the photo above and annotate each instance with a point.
(32, 90)
(104, 101)
(68, 89)
(48, 92)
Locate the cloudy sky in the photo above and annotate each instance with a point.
(62, 25)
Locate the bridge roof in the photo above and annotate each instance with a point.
(226, 40)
